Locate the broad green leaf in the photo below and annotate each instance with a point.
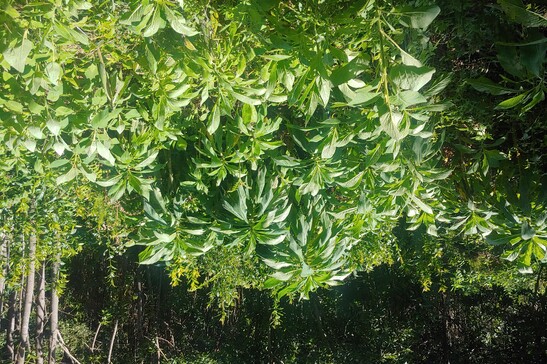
(236, 209)
(17, 57)
(329, 148)
(59, 163)
(59, 148)
(422, 205)
(155, 24)
(363, 97)
(345, 73)
(483, 84)
(30, 144)
(249, 114)
(275, 57)
(91, 176)
(517, 12)
(67, 177)
(100, 120)
(105, 152)
(408, 98)
(36, 132)
(147, 161)
(390, 122)
(421, 17)
(178, 23)
(538, 97)
(14, 106)
(110, 182)
(53, 72)
(324, 90)
(54, 127)
(62, 111)
(411, 77)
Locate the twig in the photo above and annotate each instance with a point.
(61, 343)
(160, 352)
(112, 341)
(95, 338)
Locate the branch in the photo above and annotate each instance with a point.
(61, 343)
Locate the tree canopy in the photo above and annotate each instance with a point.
(279, 145)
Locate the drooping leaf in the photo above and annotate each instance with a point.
(483, 84)
(421, 17)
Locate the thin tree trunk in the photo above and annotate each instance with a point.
(10, 327)
(54, 317)
(21, 292)
(4, 258)
(27, 306)
(112, 342)
(41, 315)
(9, 350)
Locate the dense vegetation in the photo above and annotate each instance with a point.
(273, 181)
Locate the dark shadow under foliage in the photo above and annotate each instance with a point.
(377, 317)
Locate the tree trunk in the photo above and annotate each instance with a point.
(9, 347)
(27, 306)
(41, 315)
(54, 317)
(4, 259)
(10, 326)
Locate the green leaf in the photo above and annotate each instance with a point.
(329, 148)
(17, 57)
(390, 122)
(59, 163)
(30, 144)
(178, 23)
(91, 176)
(14, 106)
(249, 114)
(345, 73)
(422, 205)
(36, 132)
(408, 98)
(517, 12)
(538, 97)
(411, 77)
(54, 127)
(324, 90)
(527, 232)
(421, 17)
(155, 24)
(214, 120)
(483, 84)
(511, 103)
(286, 161)
(110, 182)
(236, 210)
(363, 97)
(105, 152)
(53, 72)
(67, 177)
(245, 99)
(101, 119)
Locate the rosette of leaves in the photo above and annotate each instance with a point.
(520, 220)
(255, 213)
(314, 255)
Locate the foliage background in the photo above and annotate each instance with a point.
(272, 149)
